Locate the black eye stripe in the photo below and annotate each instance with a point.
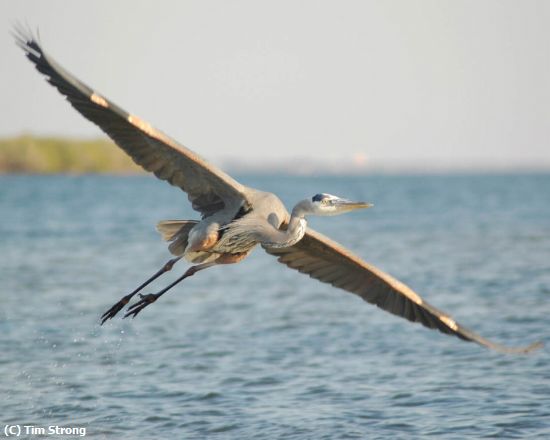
(317, 197)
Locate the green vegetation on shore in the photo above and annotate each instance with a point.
(49, 155)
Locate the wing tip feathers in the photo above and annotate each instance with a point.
(535, 346)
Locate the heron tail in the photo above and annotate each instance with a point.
(176, 231)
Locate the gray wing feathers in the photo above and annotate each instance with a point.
(208, 187)
(329, 262)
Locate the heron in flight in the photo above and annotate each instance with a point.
(236, 218)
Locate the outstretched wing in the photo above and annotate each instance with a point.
(209, 189)
(327, 261)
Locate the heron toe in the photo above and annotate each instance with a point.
(111, 313)
(141, 304)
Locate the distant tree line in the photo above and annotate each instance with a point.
(49, 155)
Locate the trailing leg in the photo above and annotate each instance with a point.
(119, 305)
(152, 297)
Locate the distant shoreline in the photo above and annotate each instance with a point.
(37, 155)
(28, 154)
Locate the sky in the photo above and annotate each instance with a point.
(374, 84)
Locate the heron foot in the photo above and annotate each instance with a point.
(109, 314)
(141, 304)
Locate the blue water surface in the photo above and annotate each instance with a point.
(256, 350)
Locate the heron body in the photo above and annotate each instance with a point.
(231, 233)
(236, 218)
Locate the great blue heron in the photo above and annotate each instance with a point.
(236, 218)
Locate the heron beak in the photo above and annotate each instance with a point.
(343, 205)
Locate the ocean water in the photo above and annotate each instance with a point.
(256, 350)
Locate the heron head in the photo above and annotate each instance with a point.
(327, 204)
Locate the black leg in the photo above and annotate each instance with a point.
(119, 305)
(152, 297)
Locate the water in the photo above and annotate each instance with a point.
(256, 350)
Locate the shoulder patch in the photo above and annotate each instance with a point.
(99, 100)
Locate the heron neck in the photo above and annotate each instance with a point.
(300, 210)
(294, 232)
